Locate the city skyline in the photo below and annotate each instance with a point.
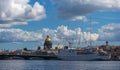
(33, 20)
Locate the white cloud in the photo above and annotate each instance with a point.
(18, 12)
(16, 35)
(94, 22)
(69, 9)
(83, 18)
(62, 32)
(110, 32)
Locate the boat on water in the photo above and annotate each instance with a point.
(86, 53)
(82, 54)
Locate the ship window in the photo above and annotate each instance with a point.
(78, 53)
(70, 51)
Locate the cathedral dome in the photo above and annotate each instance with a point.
(48, 40)
(48, 43)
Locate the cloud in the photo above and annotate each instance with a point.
(110, 32)
(18, 12)
(18, 35)
(62, 32)
(83, 18)
(70, 9)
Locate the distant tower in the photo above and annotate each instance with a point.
(106, 43)
(47, 43)
(107, 46)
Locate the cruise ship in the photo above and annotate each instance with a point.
(82, 54)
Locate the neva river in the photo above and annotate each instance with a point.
(58, 65)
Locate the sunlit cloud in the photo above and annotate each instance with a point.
(19, 12)
(110, 32)
(19, 35)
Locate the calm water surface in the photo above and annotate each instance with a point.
(58, 65)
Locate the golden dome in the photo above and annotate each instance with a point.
(48, 40)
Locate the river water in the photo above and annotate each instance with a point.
(58, 65)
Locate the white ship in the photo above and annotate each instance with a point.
(81, 54)
(87, 53)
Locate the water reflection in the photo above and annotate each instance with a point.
(58, 65)
(12, 65)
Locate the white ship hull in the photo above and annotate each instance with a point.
(74, 55)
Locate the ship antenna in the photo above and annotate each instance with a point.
(82, 33)
(90, 30)
(81, 37)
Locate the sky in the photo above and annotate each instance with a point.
(63, 20)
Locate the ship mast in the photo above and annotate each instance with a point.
(69, 39)
(90, 30)
(81, 37)
(82, 33)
